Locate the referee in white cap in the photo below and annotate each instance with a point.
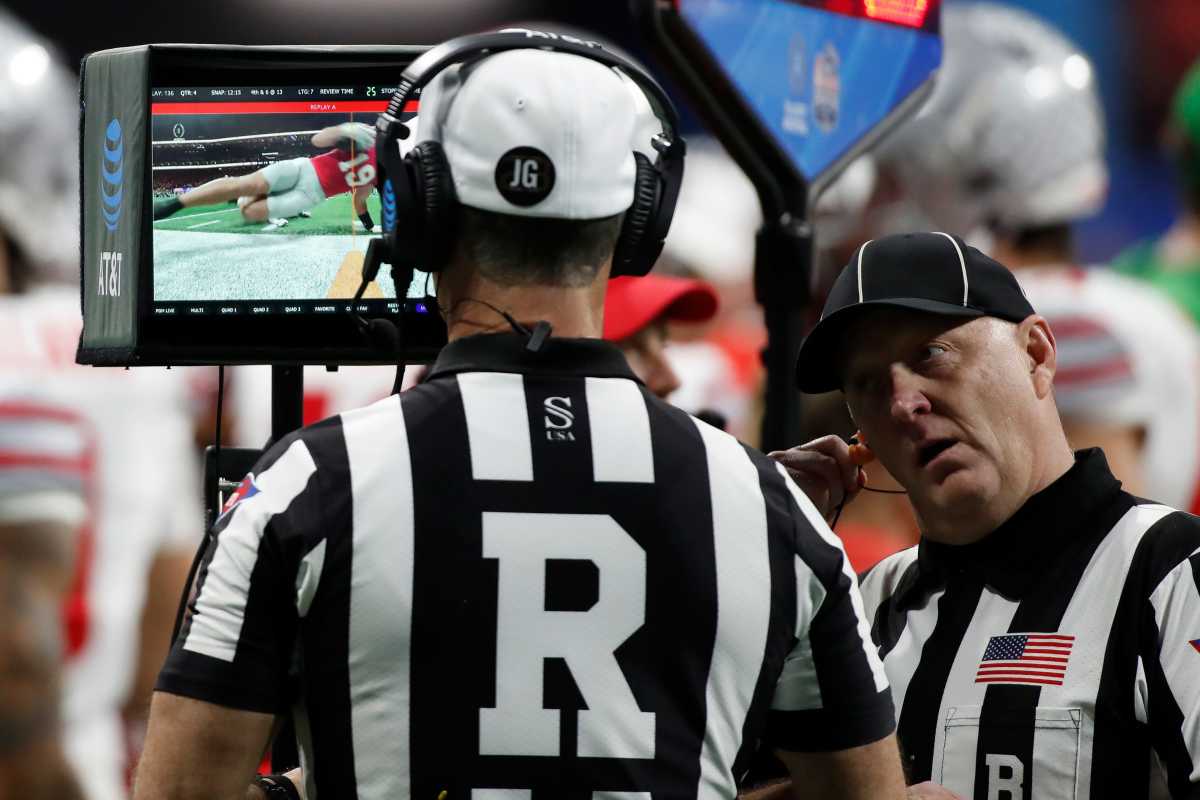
(527, 577)
(1043, 639)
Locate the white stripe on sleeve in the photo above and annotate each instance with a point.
(864, 625)
(221, 604)
(798, 688)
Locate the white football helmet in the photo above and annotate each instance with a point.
(39, 154)
(1013, 135)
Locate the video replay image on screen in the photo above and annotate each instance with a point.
(259, 197)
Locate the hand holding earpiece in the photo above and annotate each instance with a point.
(825, 471)
(860, 452)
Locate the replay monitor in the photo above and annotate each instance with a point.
(226, 199)
(822, 78)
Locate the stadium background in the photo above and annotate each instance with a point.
(1140, 48)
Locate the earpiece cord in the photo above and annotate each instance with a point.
(837, 513)
(885, 491)
(516, 326)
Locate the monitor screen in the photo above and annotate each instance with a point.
(261, 198)
(820, 74)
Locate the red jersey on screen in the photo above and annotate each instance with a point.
(339, 171)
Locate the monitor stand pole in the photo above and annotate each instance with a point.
(287, 415)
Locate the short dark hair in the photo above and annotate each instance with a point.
(1054, 238)
(534, 251)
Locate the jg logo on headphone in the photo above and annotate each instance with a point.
(525, 176)
(112, 191)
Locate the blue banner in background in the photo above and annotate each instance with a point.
(818, 80)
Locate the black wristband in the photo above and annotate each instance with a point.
(365, 219)
(277, 787)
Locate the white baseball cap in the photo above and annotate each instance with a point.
(537, 133)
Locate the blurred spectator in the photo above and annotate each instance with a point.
(637, 312)
(46, 468)
(1173, 262)
(141, 519)
(713, 238)
(1008, 152)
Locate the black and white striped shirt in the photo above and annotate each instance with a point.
(528, 577)
(1057, 659)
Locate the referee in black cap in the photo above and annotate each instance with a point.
(1043, 638)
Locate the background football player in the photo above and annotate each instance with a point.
(124, 436)
(293, 187)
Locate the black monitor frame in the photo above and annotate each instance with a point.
(305, 338)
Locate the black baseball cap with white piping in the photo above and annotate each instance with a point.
(933, 272)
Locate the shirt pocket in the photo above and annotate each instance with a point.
(1056, 736)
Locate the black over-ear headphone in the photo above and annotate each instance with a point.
(417, 189)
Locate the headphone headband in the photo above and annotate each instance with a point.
(418, 188)
(431, 63)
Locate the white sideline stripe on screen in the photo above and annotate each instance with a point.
(525, 794)
(211, 166)
(739, 529)
(221, 605)
(236, 138)
(198, 214)
(202, 224)
(381, 597)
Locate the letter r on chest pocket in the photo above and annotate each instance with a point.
(1009, 775)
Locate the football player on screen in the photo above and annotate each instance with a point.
(293, 187)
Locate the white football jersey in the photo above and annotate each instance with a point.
(146, 498)
(325, 394)
(1126, 357)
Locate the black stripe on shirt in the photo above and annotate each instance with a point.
(325, 639)
(452, 661)
(1119, 738)
(890, 620)
(781, 513)
(917, 729)
(1166, 718)
(1007, 719)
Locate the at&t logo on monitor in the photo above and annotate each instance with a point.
(112, 190)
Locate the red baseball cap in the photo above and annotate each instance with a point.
(633, 303)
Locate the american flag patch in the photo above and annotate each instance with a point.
(1026, 658)
(1196, 644)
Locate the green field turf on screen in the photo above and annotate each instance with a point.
(333, 216)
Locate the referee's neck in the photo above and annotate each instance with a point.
(465, 298)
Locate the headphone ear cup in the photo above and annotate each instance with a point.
(427, 231)
(637, 249)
